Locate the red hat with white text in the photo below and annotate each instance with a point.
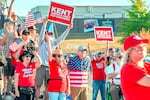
(132, 41)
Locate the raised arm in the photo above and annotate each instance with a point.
(63, 36)
(10, 8)
(89, 50)
(38, 60)
(42, 32)
(49, 48)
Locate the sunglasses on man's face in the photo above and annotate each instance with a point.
(120, 57)
(57, 56)
(48, 33)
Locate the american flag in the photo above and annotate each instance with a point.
(32, 19)
(79, 78)
(18, 43)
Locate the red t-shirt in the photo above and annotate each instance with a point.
(130, 75)
(98, 69)
(26, 74)
(58, 78)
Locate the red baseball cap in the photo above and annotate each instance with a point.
(133, 40)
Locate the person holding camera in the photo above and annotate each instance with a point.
(24, 80)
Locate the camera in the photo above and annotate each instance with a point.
(31, 46)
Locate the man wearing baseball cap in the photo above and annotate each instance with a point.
(79, 66)
(135, 74)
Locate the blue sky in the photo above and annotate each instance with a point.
(21, 7)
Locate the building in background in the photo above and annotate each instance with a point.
(102, 15)
(105, 16)
(90, 11)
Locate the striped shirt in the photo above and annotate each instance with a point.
(7, 44)
(10, 39)
(79, 69)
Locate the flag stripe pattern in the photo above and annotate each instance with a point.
(78, 70)
(79, 78)
(38, 17)
(32, 19)
(16, 45)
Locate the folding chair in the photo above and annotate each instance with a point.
(108, 92)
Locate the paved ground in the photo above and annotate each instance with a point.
(90, 93)
(90, 89)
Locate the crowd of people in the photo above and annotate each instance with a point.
(117, 74)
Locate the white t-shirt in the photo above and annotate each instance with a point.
(110, 70)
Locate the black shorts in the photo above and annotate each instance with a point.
(9, 68)
(25, 96)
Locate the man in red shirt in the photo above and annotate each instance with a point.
(99, 75)
(135, 74)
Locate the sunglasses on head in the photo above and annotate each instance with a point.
(57, 56)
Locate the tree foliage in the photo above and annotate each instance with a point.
(138, 17)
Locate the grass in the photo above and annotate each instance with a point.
(71, 45)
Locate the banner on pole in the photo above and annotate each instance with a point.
(103, 33)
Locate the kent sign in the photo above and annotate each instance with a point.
(103, 33)
(60, 13)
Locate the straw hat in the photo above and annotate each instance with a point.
(32, 28)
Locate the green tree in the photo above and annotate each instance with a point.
(138, 18)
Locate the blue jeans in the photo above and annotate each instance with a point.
(56, 96)
(99, 85)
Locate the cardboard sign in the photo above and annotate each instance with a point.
(60, 13)
(103, 33)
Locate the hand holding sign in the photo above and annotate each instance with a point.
(70, 26)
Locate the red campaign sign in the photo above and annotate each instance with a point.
(60, 13)
(103, 33)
